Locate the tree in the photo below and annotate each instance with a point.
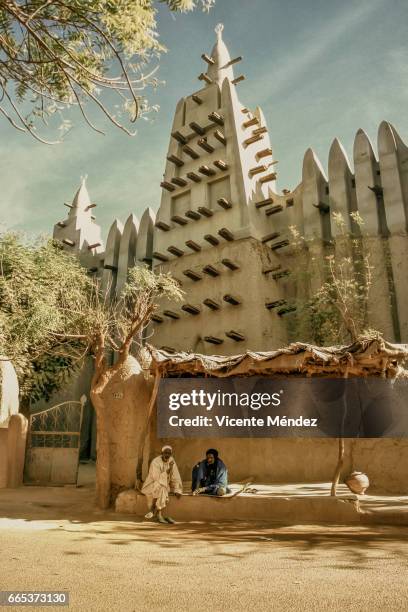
(337, 310)
(37, 280)
(53, 314)
(56, 54)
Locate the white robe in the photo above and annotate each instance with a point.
(162, 478)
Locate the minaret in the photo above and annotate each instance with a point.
(210, 229)
(79, 233)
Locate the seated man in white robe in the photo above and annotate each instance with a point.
(162, 478)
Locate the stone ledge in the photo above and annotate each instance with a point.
(293, 510)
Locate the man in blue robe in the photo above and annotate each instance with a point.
(210, 476)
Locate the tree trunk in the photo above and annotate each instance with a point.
(339, 467)
(146, 430)
(103, 467)
(340, 456)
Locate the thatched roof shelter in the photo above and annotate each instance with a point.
(365, 357)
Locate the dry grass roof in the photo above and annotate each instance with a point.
(365, 357)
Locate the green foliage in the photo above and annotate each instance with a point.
(52, 314)
(36, 280)
(60, 53)
(333, 309)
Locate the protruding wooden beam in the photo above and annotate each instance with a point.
(179, 137)
(257, 170)
(224, 203)
(264, 153)
(213, 340)
(193, 214)
(163, 226)
(238, 79)
(168, 349)
(94, 246)
(271, 236)
(280, 274)
(280, 244)
(234, 335)
(268, 177)
(231, 299)
(205, 77)
(197, 128)
(206, 170)
(220, 137)
(216, 118)
(160, 256)
(323, 208)
(202, 142)
(253, 139)
(193, 246)
(226, 234)
(286, 310)
(194, 276)
(285, 191)
(208, 59)
(175, 251)
(180, 182)
(211, 271)
(93, 270)
(234, 61)
(229, 264)
(273, 210)
(290, 202)
(109, 267)
(197, 99)
(68, 205)
(90, 206)
(190, 152)
(221, 164)
(68, 242)
(260, 130)
(194, 177)
(193, 310)
(206, 212)
(263, 203)
(167, 185)
(179, 220)
(212, 304)
(274, 304)
(171, 314)
(157, 318)
(175, 160)
(245, 110)
(250, 122)
(61, 224)
(211, 239)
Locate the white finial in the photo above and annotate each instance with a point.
(219, 28)
(83, 179)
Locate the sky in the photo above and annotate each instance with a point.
(319, 69)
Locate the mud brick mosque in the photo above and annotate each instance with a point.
(222, 227)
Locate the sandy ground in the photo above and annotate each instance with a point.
(54, 539)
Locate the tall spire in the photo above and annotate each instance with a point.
(221, 66)
(79, 232)
(81, 199)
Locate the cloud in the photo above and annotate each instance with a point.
(317, 41)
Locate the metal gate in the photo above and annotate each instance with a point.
(53, 442)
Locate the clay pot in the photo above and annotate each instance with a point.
(357, 482)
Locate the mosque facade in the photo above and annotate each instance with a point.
(225, 231)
